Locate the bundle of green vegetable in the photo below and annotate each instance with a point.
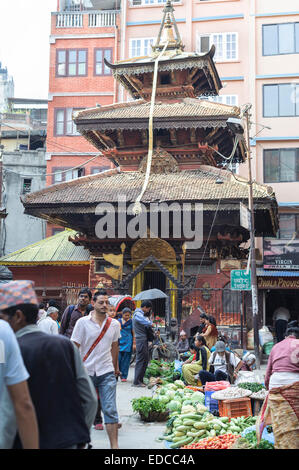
(250, 442)
(163, 369)
(147, 405)
(254, 387)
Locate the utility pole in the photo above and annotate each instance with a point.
(254, 290)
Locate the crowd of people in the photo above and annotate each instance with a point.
(209, 357)
(83, 354)
(89, 350)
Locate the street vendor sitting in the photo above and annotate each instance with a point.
(157, 347)
(224, 364)
(196, 364)
(249, 360)
(183, 343)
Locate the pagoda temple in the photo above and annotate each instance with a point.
(169, 144)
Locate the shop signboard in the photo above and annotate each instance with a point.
(240, 279)
(265, 282)
(245, 220)
(281, 254)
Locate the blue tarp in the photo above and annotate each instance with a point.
(266, 435)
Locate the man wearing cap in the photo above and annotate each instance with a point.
(62, 394)
(13, 383)
(225, 365)
(49, 323)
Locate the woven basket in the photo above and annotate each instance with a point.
(154, 416)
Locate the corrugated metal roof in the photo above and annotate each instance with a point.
(52, 250)
(268, 273)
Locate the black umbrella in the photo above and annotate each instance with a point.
(150, 294)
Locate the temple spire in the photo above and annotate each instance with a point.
(168, 31)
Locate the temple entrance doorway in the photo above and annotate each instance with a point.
(154, 279)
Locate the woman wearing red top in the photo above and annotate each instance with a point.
(210, 332)
(282, 402)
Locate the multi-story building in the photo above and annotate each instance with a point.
(22, 172)
(83, 34)
(257, 47)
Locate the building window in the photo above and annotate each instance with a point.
(57, 230)
(231, 100)
(99, 265)
(140, 47)
(64, 124)
(281, 39)
(71, 62)
(281, 100)
(99, 66)
(281, 165)
(226, 45)
(288, 226)
(98, 169)
(64, 174)
(26, 188)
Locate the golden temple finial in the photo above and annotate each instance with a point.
(170, 31)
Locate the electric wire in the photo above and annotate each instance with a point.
(56, 172)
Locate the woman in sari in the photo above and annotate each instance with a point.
(210, 332)
(198, 363)
(281, 406)
(125, 343)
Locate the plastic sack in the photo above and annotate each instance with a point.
(268, 347)
(266, 435)
(214, 386)
(178, 365)
(265, 335)
(248, 376)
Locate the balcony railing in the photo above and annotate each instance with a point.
(104, 18)
(69, 20)
(95, 19)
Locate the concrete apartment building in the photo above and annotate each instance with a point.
(257, 57)
(22, 172)
(23, 128)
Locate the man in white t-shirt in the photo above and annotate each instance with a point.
(49, 324)
(225, 365)
(101, 359)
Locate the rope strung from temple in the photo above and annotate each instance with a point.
(137, 209)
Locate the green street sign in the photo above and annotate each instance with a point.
(239, 280)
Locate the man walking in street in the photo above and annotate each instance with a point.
(13, 383)
(49, 324)
(141, 323)
(62, 393)
(73, 312)
(96, 336)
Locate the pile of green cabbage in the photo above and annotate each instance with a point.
(179, 398)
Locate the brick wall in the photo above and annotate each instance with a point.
(51, 276)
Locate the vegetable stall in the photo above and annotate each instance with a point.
(193, 421)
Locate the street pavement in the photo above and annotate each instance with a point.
(134, 433)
